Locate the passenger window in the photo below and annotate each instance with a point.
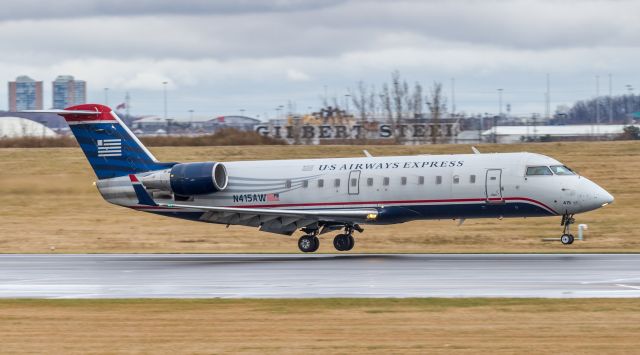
(472, 179)
(403, 180)
(561, 170)
(369, 181)
(420, 180)
(354, 182)
(320, 183)
(438, 180)
(538, 170)
(336, 183)
(456, 179)
(385, 181)
(287, 184)
(305, 183)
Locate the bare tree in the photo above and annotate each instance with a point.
(359, 99)
(372, 102)
(408, 99)
(436, 103)
(417, 100)
(398, 94)
(385, 101)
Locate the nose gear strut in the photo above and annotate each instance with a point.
(567, 221)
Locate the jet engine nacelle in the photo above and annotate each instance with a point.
(189, 179)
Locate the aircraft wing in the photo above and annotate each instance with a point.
(275, 220)
(278, 220)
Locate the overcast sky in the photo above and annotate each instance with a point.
(223, 56)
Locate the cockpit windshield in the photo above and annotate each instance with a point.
(562, 170)
(538, 170)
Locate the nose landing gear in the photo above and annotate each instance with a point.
(567, 220)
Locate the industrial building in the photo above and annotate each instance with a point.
(154, 125)
(16, 127)
(517, 134)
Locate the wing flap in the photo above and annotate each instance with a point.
(363, 214)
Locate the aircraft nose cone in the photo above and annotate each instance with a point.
(604, 197)
(601, 196)
(594, 196)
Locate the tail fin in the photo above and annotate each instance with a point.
(111, 148)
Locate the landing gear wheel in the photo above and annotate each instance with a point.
(566, 239)
(341, 242)
(308, 243)
(352, 242)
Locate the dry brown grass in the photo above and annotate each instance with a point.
(48, 200)
(344, 326)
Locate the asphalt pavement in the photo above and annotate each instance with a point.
(319, 275)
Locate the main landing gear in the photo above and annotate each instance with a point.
(309, 243)
(567, 220)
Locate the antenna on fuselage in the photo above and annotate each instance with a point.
(475, 150)
(367, 154)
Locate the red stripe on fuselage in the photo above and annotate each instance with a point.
(394, 202)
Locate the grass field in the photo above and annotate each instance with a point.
(48, 201)
(345, 326)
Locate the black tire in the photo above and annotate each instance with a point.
(341, 242)
(566, 239)
(308, 243)
(352, 242)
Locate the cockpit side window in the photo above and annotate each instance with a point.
(561, 170)
(538, 170)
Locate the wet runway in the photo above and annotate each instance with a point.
(322, 275)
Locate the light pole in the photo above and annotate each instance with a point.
(164, 90)
(500, 102)
(191, 115)
(242, 112)
(610, 99)
(106, 96)
(453, 97)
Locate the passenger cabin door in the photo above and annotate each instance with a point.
(354, 182)
(493, 186)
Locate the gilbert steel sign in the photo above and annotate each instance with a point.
(419, 130)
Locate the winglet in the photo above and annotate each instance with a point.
(475, 150)
(143, 196)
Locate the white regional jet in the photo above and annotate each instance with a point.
(318, 196)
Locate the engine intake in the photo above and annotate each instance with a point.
(190, 179)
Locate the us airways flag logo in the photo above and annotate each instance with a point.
(110, 147)
(273, 197)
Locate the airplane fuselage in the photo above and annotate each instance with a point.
(402, 188)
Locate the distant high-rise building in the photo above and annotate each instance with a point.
(68, 92)
(25, 94)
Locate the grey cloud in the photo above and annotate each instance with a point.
(38, 10)
(228, 30)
